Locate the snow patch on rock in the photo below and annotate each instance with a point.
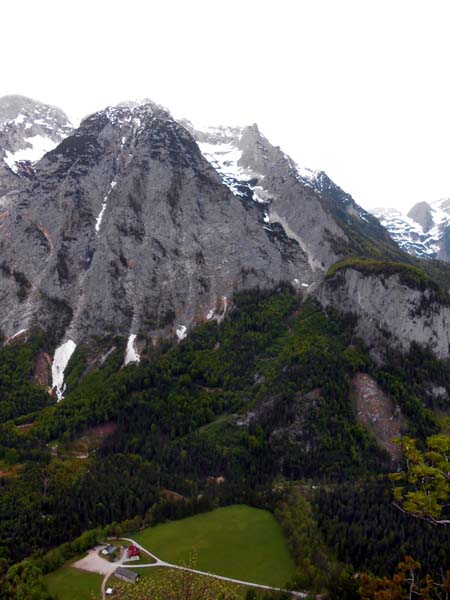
(38, 145)
(181, 332)
(60, 362)
(18, 333)
(98, 221)
(225, 157)
(131, 353)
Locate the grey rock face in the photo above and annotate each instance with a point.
(389, 312)
(324, 220)
(421, 213)
(258, 171)
(126, 226)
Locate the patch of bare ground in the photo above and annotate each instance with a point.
(377, 412)
(25, 427)
(172, 496)
(91, 440)
(210, 390)
(94, 563)
(42, 371)
(19, 338)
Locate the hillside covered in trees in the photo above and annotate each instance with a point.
(240, 411)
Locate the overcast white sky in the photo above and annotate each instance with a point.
(358, 88)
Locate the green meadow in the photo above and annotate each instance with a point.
(68, 583)
(236, 541)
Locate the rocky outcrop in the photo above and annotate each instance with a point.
(389, 312)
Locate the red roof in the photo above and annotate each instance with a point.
(133, 551)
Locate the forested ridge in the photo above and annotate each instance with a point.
(261, 399)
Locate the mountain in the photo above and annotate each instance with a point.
(125, 225)
(28, 129)
(128, 225)
(423, 232)
(141, 226)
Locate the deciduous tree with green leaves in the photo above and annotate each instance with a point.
(423, 488)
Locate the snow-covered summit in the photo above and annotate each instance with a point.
(422, 231)
(21, 109)
(28, 130)
(136, 112)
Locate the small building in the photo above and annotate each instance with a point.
(126, 575)
(109, 591)
(109, 550)
(133, 551)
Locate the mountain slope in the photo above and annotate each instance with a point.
(396, 305)
(257, 171)
(329, 223)
(138, 239)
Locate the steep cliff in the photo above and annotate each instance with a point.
(312, 209)
(396, 305)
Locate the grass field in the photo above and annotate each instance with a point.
(236, 541)
(68, 583)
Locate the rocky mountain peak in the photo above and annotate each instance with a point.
(423, 232)
(20, 108)
(421, 213)
(28, 130)
(136, 112)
